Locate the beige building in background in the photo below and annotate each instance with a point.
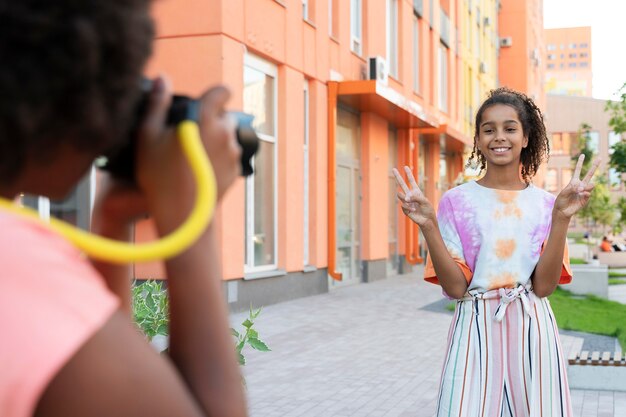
(564, 116)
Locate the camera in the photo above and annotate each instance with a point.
(121, 161)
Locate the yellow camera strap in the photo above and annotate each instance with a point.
(104, 249)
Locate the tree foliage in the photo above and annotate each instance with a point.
(582, 146)
(617, 122)
(599, 209)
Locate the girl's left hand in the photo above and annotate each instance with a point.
(576, 194)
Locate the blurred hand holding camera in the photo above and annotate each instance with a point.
(163, 185)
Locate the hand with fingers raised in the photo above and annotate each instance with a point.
(414, 204)
(576, 194)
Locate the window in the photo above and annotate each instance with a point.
(594, 142)
(572, 65)
(615, 179)
(613, 139)
(259, 99)
(551, 47)
(443, 77)
(572, 46)
(551, 56)
(551, 178)
(583, 64)
(416, 54)
(583, 55)
(573, 55)
(75, 209)
(583, 45)
(305, 188)
(333, 18)
(550, 66)
(305, 9)
(392, 37)
(355, 26)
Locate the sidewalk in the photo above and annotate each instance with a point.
(366, 350)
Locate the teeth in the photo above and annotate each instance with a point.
(500, 149)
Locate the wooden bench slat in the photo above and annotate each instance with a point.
(595, 357)
(584, 355)
(573, 357)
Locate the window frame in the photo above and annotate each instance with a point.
(356, 19)
(269, 69)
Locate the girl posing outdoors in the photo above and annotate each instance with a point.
(498, 246)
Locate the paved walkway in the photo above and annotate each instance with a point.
(366, 350)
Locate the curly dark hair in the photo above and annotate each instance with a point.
(70, 73)
(533, 127)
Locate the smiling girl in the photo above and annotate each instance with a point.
(498, 246)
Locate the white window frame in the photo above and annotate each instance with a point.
(269, 69)
(305, 9)
(305, 186)
(356, 26)
(392, 37)
(443, 78)
(416, 52)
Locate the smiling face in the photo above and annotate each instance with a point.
(501, 136)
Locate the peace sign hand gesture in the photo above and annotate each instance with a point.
(414, 204)
(576, 194)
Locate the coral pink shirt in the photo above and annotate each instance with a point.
(51, 302)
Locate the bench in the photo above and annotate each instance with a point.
(597, 358)
(597, 370)
(612, 259)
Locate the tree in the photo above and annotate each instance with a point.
(599, 209)
(617, 122)
(584, 137)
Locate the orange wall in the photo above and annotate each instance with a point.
(205, 43)
(522, 21)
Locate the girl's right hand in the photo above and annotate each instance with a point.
(414, 204)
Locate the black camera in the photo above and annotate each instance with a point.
(121, 162)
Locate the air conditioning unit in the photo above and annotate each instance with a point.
(378, 69)
(506, 42)
(487, 21)
(482, 67)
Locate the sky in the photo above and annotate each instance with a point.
(607, 19)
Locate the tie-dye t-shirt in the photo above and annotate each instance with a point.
(495, 236)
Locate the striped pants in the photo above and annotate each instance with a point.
(504, 358)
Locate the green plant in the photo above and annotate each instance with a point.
(151, 313)
(150, 308)
(589, 314)
(248, 336)
(617, 281)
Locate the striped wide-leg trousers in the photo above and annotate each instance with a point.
(504, 358)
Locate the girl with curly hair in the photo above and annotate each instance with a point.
(498, 246)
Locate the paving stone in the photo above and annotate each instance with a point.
(369, 349)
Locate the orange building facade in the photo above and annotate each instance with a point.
(568, 61)
(320, 210)
(522, 48)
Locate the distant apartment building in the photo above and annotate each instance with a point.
(568, 61)
(564, 116)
